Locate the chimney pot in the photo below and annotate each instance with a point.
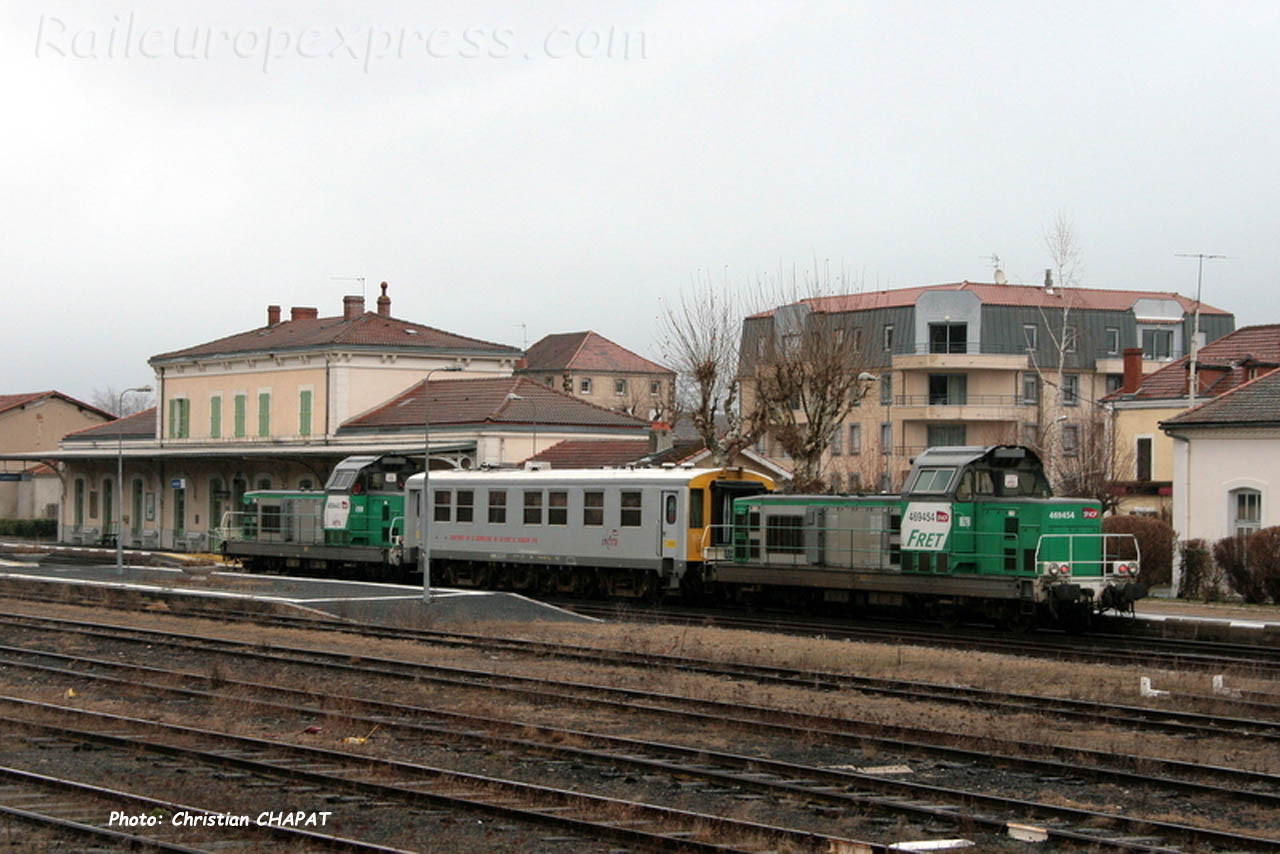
(384, 303)
(352, 307)
(1048, 277)
(273, 315)
(1132, 370)
(300, 312)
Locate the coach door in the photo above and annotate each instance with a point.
(669, 545)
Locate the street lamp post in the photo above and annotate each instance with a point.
(424, 551)
(119, 501)
(534, 406)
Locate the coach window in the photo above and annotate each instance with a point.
(631, 510)
(557, 508)
(593, 508)
(533, 508)
(442, 503)
(466, 505)
(497, 506)
(671, 510)
(695, 508)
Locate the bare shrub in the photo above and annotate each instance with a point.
(1263, 558)
(1155, 538)
(1199, 578)
(1229, 555)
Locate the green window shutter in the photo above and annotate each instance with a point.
(184, 428)
(264, 414)
(215, 418)
(173, 419)
(304, 413)
(240, 407)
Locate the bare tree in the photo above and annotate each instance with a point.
(700, 337)
(807, 373)
(1092, 462)
(107, 399)
(1067, 257)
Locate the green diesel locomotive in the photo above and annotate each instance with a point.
(975, 532)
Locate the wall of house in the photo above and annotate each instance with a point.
(39, 426)
(283, 384)
(1212, 464)
(1130, 425)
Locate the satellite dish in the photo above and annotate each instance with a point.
(1000, 279)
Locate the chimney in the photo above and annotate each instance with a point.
(352, 307)
(299, 312)
(660, 437)
(1048, 278)
(1132, 370)
(384, 303)
(273, 315)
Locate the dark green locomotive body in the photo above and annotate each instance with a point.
(974, 530)
(356, 524)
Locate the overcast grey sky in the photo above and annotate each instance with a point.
(169, 169)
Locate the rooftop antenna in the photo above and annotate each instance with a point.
(1195, 324)
(524, 335)
(997, 274)
(359, 279)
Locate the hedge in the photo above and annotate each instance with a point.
(1156, 540)
(44, 529)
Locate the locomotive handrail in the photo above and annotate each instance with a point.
(1109, 563)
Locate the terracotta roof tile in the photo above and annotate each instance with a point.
(367, 330)
(485, 401)
(140, 425)
(1223, 364)
(1255, 402)
(586, 351)
(993, 294)
(593, 453)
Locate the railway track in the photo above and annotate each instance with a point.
(794, 726)
(1102, 647)
(629, 823)
(833, 788)
(1111, 647)
(1263, 723)
(77, 809)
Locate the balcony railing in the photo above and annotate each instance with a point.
(960, 400)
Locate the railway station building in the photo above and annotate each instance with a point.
(985, 363)
(279, 405)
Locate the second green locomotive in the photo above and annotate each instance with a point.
(975, 532)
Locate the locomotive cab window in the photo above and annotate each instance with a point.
(695, 508)
(935, 480)
(631, 511)
(593, 508)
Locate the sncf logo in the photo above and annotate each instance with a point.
(1090, 512)
(943, 516)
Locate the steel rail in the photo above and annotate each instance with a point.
(1107, 765)
(36, 781)
(251, 755)
(1165, 719)
(733, 769)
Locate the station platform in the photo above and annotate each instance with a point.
(361, 602)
